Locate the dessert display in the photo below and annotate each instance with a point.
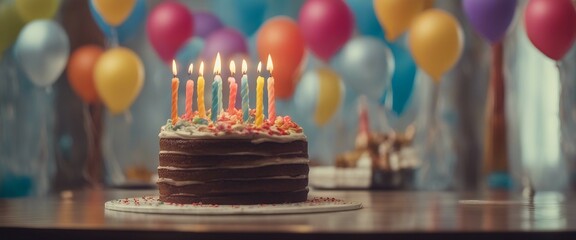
(390, 156)
(231, 156)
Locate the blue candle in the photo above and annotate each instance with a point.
(220, 107)
(245, 92)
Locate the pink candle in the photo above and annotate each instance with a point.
(233, 88)
(271, 96)
(189, 93)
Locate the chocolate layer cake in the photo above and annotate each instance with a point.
(231, 162)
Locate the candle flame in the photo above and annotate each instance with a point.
(259, 67)
(217, 65)
(190, 69)
(269, 65)
(201, 70)
(244, 66)
(174, 70)
(232, 67)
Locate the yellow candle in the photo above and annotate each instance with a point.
(200, 90)
(259, 97)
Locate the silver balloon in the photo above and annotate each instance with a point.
(366, 65)
(42, 50)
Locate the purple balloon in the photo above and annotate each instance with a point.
(205, 24)
(490, 18)
(227, 42)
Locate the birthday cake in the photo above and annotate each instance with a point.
(232, 161)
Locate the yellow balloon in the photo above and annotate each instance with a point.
(397, 15)
(329, 97)
(119, 76)
(37, 9)
(10, 25)
(114, 12)
(435, 41)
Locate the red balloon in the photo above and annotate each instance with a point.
(281, 38)
(80, 72)
(169, 26)
(551, 26)
(326, 25)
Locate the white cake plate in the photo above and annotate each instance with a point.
(151, 204)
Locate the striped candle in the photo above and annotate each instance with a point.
(233, 88)
(271, 95)
(189, 93)
(175, 83)
(200, 90)
(245, 92)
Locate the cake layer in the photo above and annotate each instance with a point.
(239, 199)
(221, 161)
(228, 186)
(230, 147)
(244, 172)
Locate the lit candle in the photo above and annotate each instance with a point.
(245, 92)
(259, 97)
(233, 88)
(216, 90)
(175, 83)
(271, 95)
(200, 90)
(189, 92)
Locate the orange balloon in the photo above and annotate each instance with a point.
(281, 38)
(80, 72)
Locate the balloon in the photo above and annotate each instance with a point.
(245, 16)
(326, 26)
(128, 28)
(330, 96)
(428, 4)
(281, 38)
(191, 51)
(319, 94)
(119, 76)
(114, 12)
(396, 15)
(206, 23)
(402, 79)
(490, 18)
(227, 42)
(10, 25)
(81, 72)
(42, 50)
(435, 41)
(551, 26)
(365, 19)
(169, 26)
(365, 64)
(31, 10)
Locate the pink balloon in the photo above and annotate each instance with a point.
(169, 26)
(551, 26)
(326, 25)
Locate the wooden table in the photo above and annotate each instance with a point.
(386, 215)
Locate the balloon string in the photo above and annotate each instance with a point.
(433, 121)
(563, 94)
(114, 42)
(43, 145)
(89, 128)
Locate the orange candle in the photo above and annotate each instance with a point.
(189, 92)
(271, 95)
(233, 88)
(175, 83)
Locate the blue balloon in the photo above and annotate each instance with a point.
(402, 78)
(190, 51)
(42, 50)
(245, 16)
(366, 21)
(306, 95)
(128, 28)
(365, 64)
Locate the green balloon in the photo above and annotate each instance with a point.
(10, 25)
(31, 10)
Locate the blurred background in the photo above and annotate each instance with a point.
(85, 85)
